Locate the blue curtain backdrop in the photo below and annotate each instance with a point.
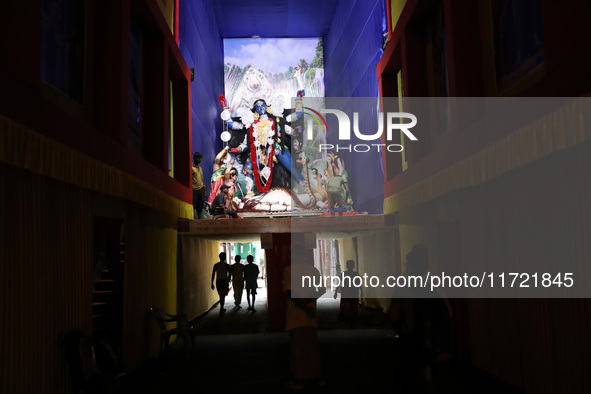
(352, 49)
(202, 48)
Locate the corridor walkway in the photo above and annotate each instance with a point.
(234, 353)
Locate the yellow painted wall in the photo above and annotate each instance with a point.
(532, 142)
(396, 9)
(161, 279)
(377, 257)
(167, 8)
(150, 278)
(347, 252)
(196, 263)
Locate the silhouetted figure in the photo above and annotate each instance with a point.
(251, 274)
(237, 270)
(222, 282)
(301, 321)
(351, 290)
(198, 186)
(423, 321)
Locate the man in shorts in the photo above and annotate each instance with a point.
(251, 274)
(237, 281)
(222, 282)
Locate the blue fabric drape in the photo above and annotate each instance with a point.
(352, 49)
(202, 48)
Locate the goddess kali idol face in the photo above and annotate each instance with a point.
(260, 107)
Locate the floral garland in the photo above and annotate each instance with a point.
(255, 167)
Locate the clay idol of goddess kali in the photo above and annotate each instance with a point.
(261, 142)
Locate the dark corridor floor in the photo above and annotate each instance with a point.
(236, 354)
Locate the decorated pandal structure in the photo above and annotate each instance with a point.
(271, 170)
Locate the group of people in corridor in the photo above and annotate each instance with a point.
(241, 276)
(423, 324)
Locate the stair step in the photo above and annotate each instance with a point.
(107, 275)
(102, 296)
(104, 285)
(101, 308)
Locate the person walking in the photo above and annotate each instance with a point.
(221, 274)
(251, 274)
(237, 271)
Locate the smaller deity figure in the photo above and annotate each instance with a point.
(221, 173)
(317, 184)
